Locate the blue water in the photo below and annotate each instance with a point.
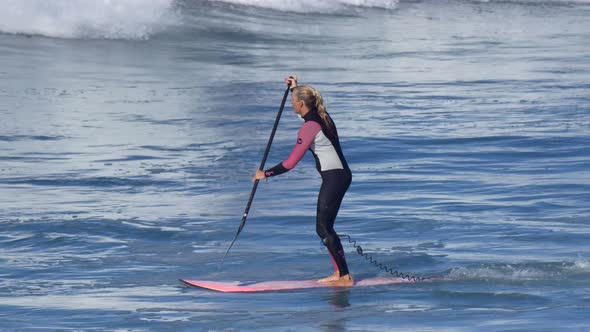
(130, 131)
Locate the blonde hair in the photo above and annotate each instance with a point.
(314, 101)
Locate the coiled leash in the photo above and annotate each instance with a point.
(384, 267)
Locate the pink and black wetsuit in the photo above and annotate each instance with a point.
(323, 142)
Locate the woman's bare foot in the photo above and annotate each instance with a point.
(336, 280)
(335, 276)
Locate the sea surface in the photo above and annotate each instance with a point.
(130, 131)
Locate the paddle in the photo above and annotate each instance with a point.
(272, 135)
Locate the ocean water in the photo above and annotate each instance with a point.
(130, 131)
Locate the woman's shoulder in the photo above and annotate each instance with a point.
(312, 124)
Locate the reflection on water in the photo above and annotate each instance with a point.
(340, 298)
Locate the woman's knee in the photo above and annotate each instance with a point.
(331, 240)
(321, 231)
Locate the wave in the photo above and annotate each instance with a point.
(523, 271)
(330, 6)
(100, 19)
(140, 19)
(311, 6)
(538, 2)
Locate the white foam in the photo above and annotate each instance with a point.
(110, 19)
(580, 265)
(328, 6)
(541, 2)
(521, 272)
(310, 6)
(506, 272)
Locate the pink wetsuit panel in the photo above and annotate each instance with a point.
(305, 138)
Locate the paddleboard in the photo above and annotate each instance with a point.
(281, 285)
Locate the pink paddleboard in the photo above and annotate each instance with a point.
(237, 286)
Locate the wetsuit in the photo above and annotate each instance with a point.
(323, 142)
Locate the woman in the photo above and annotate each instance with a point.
(319, 135)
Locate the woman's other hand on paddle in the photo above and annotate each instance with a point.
(259, 175)
(292, 81)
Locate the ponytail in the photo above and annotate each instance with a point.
(314, 101)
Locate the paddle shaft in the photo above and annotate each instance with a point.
(253, 192)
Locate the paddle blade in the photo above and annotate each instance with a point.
(235, 237)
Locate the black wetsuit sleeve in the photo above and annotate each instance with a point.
(276, 170)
